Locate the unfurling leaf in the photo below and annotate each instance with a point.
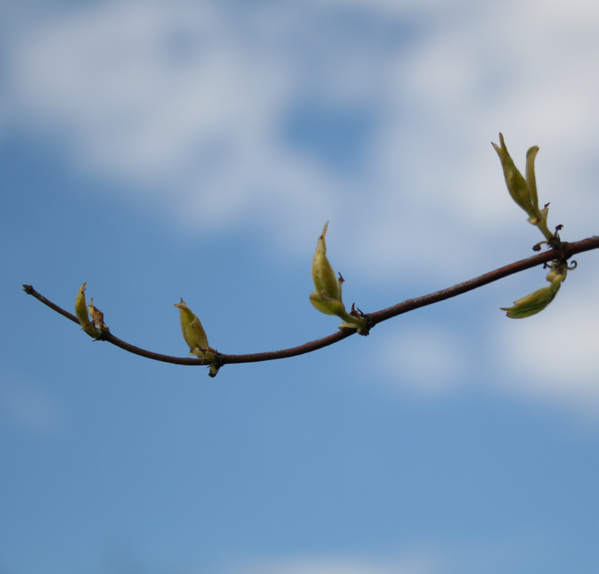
(327, 296)
(97, 316)
(194, 333)
(538, 300)
(516, 184)
(524, 190)
(533, 303)
(531, 179)
(325, 280)
(82, 313)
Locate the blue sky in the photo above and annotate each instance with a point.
(159, 150)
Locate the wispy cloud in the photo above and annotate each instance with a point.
(189, 104)
(496, 555)
(416, 564)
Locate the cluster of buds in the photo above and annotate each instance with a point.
(327, 295)
(524, 192)
(94, 326)
(191, 327)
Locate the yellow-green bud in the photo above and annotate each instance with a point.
(531, 180)
(539, 299)
(327, 306)
(518, 187)
(325, 280)
(533, 303)
(97, 316)
(82, 313)
(193, 332)
(557, 274)
(327, 296)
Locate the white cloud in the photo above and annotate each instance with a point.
(416, 564)
(505, 552)
(185, 103)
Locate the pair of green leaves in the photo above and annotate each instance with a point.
(95, 325)
(524, 189)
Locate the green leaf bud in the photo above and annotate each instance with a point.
(325, 280)
(557, 273)
(327, 296)
(533, 303)
(194, 333)
(517, 186)
(81, 311)
(531, 180)
(97, 316)
(325, 305)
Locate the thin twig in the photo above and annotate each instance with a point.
(565, 251)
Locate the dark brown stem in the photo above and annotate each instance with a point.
(565, 251)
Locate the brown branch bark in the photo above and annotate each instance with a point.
(565, 252)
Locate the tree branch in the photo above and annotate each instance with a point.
(563, 253)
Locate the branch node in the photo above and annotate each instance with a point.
(368, 320)
(215, 365)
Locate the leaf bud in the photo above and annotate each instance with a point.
(82, 313)
(539, 299)
(531, 180)
(194, 333)
(533, 303)
(327, 295)
(325, 280)
(97, 316)
(519, 188)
